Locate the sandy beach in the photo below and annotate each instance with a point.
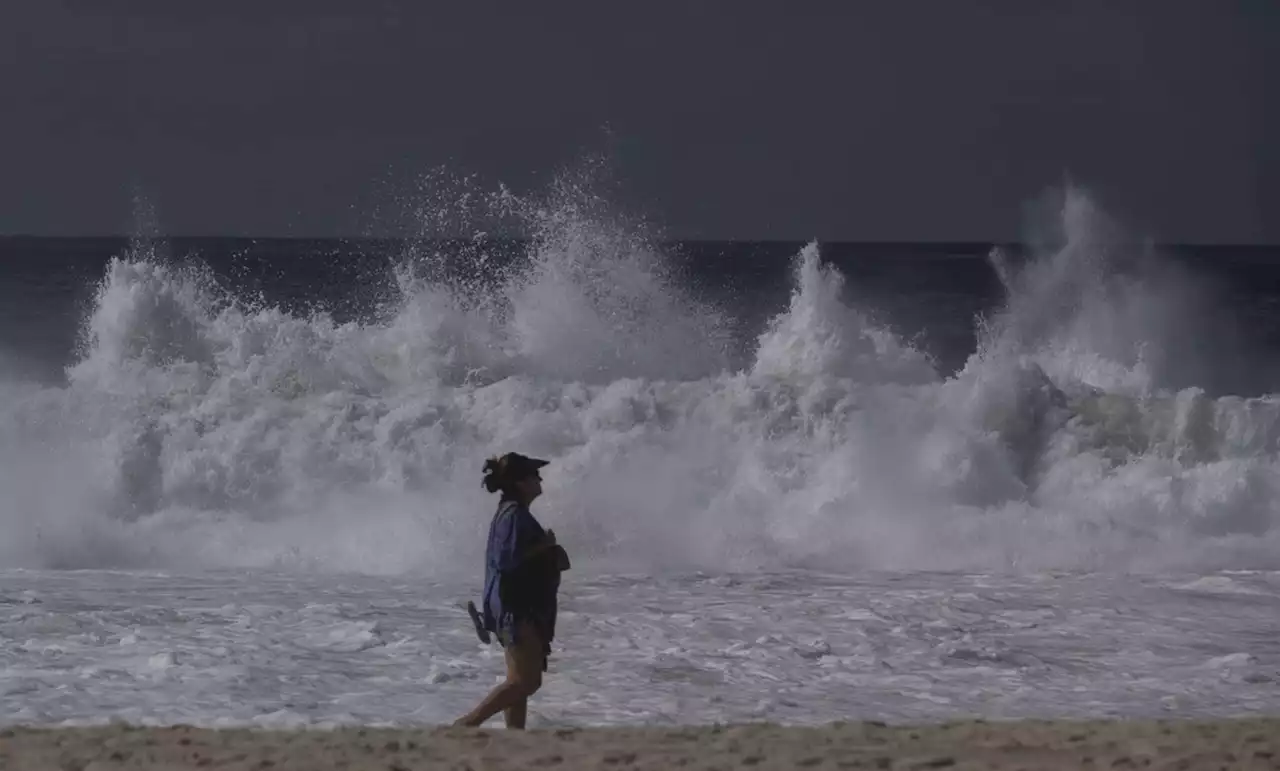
(1221, 744)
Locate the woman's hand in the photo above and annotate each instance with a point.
(544, 545)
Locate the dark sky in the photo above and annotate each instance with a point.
(839, 119)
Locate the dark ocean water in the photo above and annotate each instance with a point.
(231, 401)
(777, 508)
(931, 294)
(799, 447)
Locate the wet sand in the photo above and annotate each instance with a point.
(1219, 744)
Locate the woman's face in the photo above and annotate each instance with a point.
(531, 486)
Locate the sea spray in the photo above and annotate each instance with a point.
(201, 429)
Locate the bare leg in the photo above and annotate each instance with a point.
(505, 696)
(524, 677)
(517, 713)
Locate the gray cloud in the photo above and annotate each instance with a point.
(894, 120)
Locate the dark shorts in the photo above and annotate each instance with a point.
(513, 642)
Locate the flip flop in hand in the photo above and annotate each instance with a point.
(481, 632)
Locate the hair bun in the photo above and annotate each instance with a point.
(493, 475)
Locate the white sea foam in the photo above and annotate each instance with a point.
(199, 429)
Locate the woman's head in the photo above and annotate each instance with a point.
(515, 476)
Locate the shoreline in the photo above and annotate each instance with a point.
(1238, 743)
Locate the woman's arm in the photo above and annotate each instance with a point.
(545, 544)
(520, 541)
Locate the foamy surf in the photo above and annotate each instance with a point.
(199, 429)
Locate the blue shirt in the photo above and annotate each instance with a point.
(516, 593)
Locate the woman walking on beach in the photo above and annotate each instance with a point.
(522, 570)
